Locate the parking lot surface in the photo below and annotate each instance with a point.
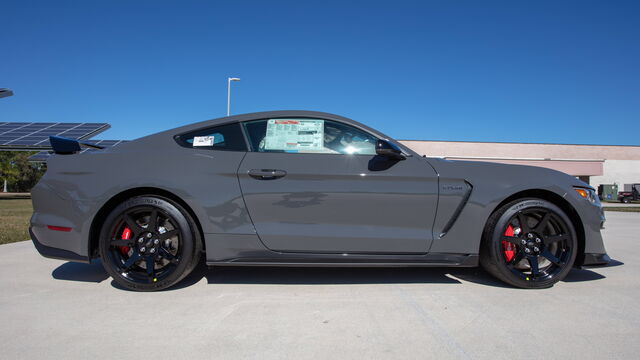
(56, 309)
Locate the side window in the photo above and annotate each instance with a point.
(223, 137)
(308, 136)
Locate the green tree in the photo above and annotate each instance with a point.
(21, 175)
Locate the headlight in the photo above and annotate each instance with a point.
(588, 194)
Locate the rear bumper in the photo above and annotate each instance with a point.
(595, 259)
(55, 253)
(51, 210)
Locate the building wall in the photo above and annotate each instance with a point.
(618, 172)
(600, 164)
(523, 151)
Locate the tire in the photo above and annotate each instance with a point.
(534, 256)
(626, 200)
(131, 243)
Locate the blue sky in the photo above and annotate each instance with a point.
(514, 71)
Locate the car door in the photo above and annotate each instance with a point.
(315, 185)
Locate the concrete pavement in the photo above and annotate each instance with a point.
(54, 309)
(621, 205)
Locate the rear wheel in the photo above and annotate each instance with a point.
(149, 243)
(529, 243)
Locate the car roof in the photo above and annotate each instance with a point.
(166, 137)
(267, 115)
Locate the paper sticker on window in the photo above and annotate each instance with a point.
(203, 141)
(294, 135)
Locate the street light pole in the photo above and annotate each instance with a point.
(229, 80)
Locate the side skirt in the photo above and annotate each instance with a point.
(351, 260)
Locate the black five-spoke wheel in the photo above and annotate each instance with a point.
(529, 243)
(149, 243)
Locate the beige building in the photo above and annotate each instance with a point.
(594, 164)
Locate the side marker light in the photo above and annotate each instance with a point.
(59, 228)
(582, 192)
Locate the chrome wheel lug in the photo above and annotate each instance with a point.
(536, 249)
(538, 240)
(530, 235)
(149, 235)
(143, 249)
(152, 250)
(524, 242)
(527, 250)
(156, 241)
(140, 240)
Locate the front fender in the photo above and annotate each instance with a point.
(491, 184)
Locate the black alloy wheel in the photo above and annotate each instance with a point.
(529, 243)
(149, 243)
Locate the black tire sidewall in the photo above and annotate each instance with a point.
(188, 233)
(496, 263)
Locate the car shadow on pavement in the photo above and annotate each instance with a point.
(587, 274)
(337, 276)
(316, 275)
(73, 271)
(579, 275)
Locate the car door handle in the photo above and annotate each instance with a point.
(266, 174)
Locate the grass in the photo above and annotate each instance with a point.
(14, 220)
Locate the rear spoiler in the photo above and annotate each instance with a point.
(65, 146)
(5, 92)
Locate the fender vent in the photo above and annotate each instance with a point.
(456, 214)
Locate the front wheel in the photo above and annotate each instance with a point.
(149, 243)
(529, 243)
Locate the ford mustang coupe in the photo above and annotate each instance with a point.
(306, 189)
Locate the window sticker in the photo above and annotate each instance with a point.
(294, 135)
(203, 141)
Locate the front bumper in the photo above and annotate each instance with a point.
(590, 259)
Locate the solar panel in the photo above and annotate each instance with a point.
(42, 156)
(35, 136)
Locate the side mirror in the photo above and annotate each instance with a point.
(390, 150)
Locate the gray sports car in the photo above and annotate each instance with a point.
(306, 189)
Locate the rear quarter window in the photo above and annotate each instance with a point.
(224, 137)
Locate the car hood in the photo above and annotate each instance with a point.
(506, 176)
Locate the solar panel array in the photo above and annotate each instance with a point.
(25, 136)
(42, 156)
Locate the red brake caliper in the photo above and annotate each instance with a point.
(508, 249)
(126, 234)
